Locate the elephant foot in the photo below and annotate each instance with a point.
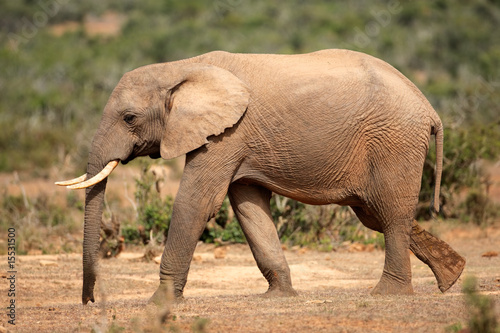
(387, 286)
(164, 295)
(448, 270)
(280, 292)
(87, 298)
(88, 291)
(446, 264)
(449, 277)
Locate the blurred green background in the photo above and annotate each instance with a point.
(60, 60)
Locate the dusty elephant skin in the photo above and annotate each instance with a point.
(333, 126)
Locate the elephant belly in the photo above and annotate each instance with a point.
(303, 182)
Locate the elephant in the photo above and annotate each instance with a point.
(332, 126)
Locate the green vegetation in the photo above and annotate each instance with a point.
(465, 149)
(56, 74)
(482, 316)
(153, 212)
(480, 309)
(225, 227)
(43, 225)
(322, 227)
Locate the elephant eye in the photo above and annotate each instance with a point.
(129, 118)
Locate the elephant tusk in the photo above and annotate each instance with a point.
(97, 178)
(72, 181)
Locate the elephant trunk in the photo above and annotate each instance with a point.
(94, 199)
(94, 181)
(94, 202)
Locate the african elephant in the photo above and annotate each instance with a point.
(333, 126)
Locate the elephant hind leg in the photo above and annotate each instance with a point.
(251, 205)
(446, 264)
(396, 277)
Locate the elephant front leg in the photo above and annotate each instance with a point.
(183, 234)
(251, 206)
(446, 264)
(193, 207)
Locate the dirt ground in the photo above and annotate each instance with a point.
(222, 295)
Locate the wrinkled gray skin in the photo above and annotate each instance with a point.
(333, 126)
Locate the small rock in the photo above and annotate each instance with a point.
(355, 247)
(197, 258)
(319, 301)
(316, 301)
(220, 252)
(359, 247)
(44, 263)
(490, 254)
(370, 247)
(157, 259)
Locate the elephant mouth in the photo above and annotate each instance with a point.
(155, 156)
(124, 162)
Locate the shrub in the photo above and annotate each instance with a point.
(324, 227)
(482, 316)
(464, 148)
(42, 223)
(224, 227)
(153, 211)
(154, 214)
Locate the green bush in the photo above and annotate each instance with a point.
(42, 224)
(131, 234)
(225, 228)
(153, 212)
(482, 315)
(230, 233)
(323, 227)
(289, 216)
(475, 206)
(464, 148)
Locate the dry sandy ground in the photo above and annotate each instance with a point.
(222, 295)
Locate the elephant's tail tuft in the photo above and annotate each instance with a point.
(437, 130)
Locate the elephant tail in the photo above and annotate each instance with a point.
(437, 130)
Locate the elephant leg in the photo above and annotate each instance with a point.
(446, 264)
(252, 208)
(396, 277)
(200, 196)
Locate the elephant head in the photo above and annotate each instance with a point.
(158, 110)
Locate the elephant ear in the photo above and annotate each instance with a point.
(205, 102)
